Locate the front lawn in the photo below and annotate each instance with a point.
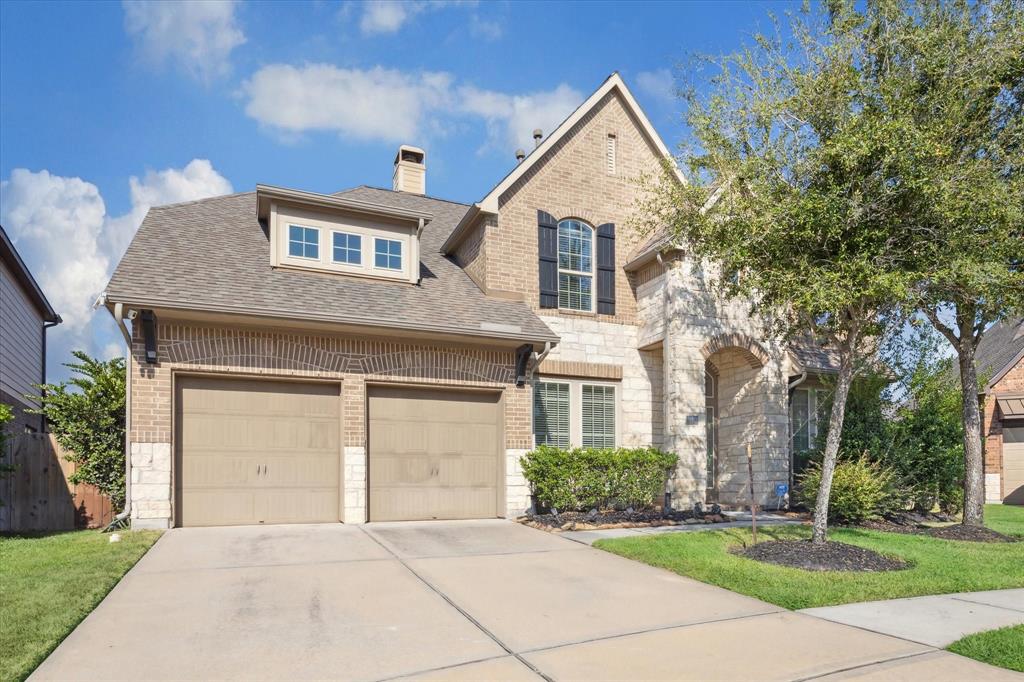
(1003, 647)
(1007, 519)
(938, 566)
(49, 583)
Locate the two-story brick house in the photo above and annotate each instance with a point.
(382, 354)
(1000, 358)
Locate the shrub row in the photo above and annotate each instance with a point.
(580, 479)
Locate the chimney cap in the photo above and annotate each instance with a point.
(407, 152)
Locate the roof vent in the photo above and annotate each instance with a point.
(520, 155)
(538, 135)
(410, 171)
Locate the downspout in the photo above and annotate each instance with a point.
(126, 512)
(540, 358)
(42, 377)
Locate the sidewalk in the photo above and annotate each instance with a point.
(937, 620)
(740, 520)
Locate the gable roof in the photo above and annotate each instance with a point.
(1000, 349)
(213, 255)
(614, 83)
(28, 283)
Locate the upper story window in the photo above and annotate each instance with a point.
(575, 265)
(348, 248)
(303, 242)
(387, 254)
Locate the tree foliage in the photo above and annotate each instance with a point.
(86, 415)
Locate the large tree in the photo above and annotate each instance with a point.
(807, 183)
(960, 89)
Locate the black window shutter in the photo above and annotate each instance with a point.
(606, 269)
(547, 251)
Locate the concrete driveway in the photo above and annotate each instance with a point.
(486, 600)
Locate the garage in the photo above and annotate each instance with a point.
(433, 454)
(1013, 462)
(251, 451)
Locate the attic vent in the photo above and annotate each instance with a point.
(610, 154)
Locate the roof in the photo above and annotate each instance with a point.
(812, 357)
(1000, 349)
(614, 83)
(28, 283)
(214, 255)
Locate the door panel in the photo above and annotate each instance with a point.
(256, 451)
(433, 454)
(1013, 463)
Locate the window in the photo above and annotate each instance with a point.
(575, 413)
(575, 265)
(387, 254)
(348, 248)
(598, 416)
(800, 414)
(303, 242)
(551, 414)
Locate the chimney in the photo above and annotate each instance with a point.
(520, 155)
(410, 172)
(538, 135)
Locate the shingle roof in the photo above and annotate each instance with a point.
(1001, 343)
(814, 357)
(214, 255)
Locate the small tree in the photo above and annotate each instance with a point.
(86, 416)
(793, 160)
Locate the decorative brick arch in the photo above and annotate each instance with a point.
(754, 353)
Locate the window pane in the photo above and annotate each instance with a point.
(575, 241)
(710, 436)
(551, 414)
(348, 248)
(598, 414)
(303, 242)
(387, 253)
(574, 291)
(799, 414)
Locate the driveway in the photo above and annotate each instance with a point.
(451, 600)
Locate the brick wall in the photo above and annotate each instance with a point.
(1011, 383)
(190, 347)
(573, 181)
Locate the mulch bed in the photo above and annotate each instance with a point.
(957, 531)
(831, 556)
(616, 519)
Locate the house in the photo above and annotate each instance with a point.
(25, 315)
(381, 354)
(1000, 361)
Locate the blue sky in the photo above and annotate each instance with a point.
(109, 108)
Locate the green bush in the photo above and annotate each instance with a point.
(593, 478)
(861, 490)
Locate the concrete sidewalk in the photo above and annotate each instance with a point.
(739, 520)
(936, 621)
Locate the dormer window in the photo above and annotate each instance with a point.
(575, 265)
(387, 254)
(303, 242)
(348, 248)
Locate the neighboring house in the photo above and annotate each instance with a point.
(1000, 358)
(25, 315)
(381, 354)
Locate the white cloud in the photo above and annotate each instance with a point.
(388, 16)
(483, 29)
(511, 119)
(61, 228)
(198, 35)
(379, 103)
(659, 84)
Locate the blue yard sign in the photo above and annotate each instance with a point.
(781, 489)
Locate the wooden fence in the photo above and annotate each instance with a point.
(37, 494)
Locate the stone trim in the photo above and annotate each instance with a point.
(754, 353)
(588, 370)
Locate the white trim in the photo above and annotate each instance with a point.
(592, 274)
(288, 242)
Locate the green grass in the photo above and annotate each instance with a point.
(1005, 518)
(1003, 647)
(938, 566)
(49, 583)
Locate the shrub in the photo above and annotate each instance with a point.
(861, 490)
(588, 478)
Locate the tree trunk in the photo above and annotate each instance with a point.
(974, 463)
(835, 433)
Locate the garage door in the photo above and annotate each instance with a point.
(1013, 463)
(254, 451)
(433, 454)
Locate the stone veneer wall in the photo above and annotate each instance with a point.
(190, 347)
(587, 340)
(992, 428)
(697, 323)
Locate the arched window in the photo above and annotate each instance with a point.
(575, 265)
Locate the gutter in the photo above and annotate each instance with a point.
(118, 313)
